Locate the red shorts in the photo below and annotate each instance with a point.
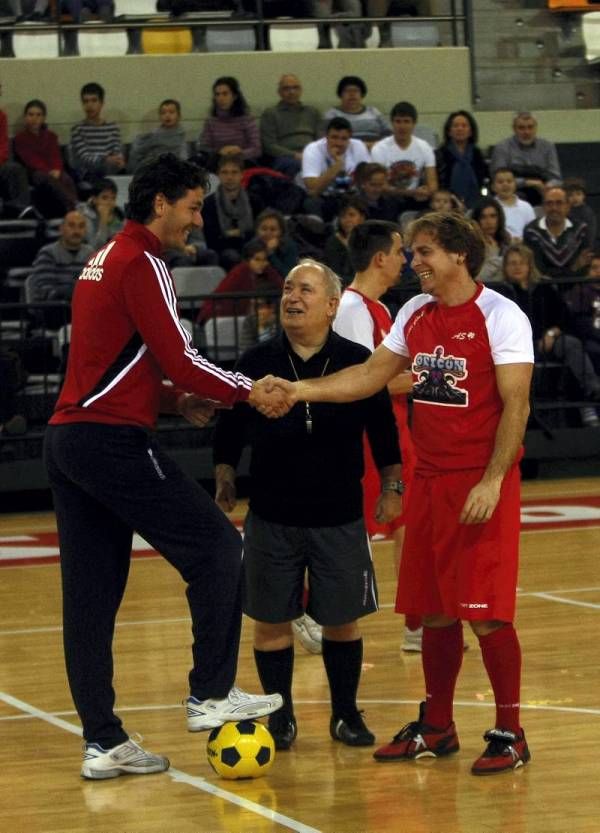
(371, 481)
(467, 571)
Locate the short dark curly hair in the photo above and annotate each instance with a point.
(351, 81)
(166, 175)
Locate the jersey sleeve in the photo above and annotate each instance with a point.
(509, 333)
(152, 306)
(354, 322)
(395, 340)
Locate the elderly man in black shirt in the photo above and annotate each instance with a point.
(305, 511)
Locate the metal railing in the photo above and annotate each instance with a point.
(459, 18)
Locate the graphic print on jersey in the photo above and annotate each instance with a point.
(437, 376)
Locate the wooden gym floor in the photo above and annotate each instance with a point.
(319, 785)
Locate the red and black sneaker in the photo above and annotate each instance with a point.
(505, 750)
(418, 740)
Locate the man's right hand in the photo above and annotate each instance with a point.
(269, 399)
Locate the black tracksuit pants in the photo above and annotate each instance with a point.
(108, 481)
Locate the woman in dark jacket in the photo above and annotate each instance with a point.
(460, 164)
(550, 323)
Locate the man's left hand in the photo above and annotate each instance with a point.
(388, 507)
(197, 411)
(481, 502)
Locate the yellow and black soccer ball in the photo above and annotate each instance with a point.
(241, 750)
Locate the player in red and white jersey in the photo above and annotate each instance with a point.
(471, 355)
(376, 252)
(109, 476)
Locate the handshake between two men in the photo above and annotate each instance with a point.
(273, 397)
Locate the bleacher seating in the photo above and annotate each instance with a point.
(590, 31)
(191, 281)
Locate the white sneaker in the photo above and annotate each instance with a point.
(309, 633)
(412, 640)
(128, 757)
(238, 705)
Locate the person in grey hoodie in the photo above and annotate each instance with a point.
(168, 137)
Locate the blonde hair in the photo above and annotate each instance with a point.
(533, 273)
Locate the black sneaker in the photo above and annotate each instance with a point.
(352, 730)
(283, 728)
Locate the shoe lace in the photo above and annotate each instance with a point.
(236, 695)
(499, 742)
(356, 722)
(409, 731)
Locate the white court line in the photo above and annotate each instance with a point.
(558, 528)
(176, 775)
(562, 600)
(550, 595)
(361, 701)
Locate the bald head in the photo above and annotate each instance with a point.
(72, 230)
(289, 89)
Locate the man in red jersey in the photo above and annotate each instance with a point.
(109, 477)
(471, 353)
(376, 253)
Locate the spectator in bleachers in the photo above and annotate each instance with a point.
(14, 187)
(583, 301)
(410, 161)
(230, 127)
(168, 137)
(460, 164)
(489, 216)
(533, 161)
(103, 216)
(579, 211)
(351, 35)
(352, 212)
(368, 123)
(37, 147)
(328, 166)
(260, 325)
(517, 212)
(380, 8)
(95, 143)
(253, 273)
(228, 213)
(84, 10)
(370, 179)
(446, 202)
(31, 11)
(57, 265)
(288, 127)
(282, 251)
(558, 244)
(550, 323)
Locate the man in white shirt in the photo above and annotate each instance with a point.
(517, 212)
(328, 166)
(412, 176)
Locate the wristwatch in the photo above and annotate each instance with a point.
(393, 486)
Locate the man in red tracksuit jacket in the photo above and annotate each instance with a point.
(109, 477)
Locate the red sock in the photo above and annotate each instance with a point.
(501, 654)
(412, 621)
(442, 655)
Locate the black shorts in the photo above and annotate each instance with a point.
(339, 564)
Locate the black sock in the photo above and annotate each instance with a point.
(343, 664)
(275, 669)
